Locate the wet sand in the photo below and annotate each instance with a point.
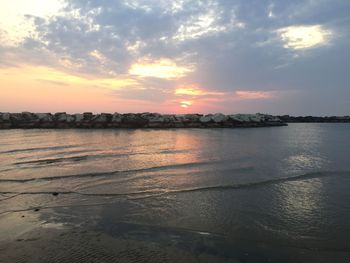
(30, 240)
(46, 242)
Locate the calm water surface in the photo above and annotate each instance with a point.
(228, 195)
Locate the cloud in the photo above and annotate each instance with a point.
(14, 25)
(206, 24)
(304, 37)
(186, 103)
(162, 68)
(253, 95)
(193, 90)
(188, 91)
(161, 52)
(191, 95)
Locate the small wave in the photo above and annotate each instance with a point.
(9, 197)
(85, 157)
(117, 172)
(175, 151)
(53, 207)
(39, 149)
(55, 160)
(77, 158)
(62, 153)
(152, 193)
(273, 181)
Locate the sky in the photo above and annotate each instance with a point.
(179, 56)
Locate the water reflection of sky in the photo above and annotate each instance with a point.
(304, 148)
(299, 205)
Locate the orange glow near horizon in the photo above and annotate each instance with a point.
(45, 89)
(37, 88)
(40, 73)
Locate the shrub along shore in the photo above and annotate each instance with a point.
(62, 120)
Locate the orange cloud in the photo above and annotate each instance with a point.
(253, 95)
(162, 68)
(188, 91)
(191, 96)
(186, 104)
(192, 90)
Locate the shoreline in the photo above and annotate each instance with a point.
(314, 119)
(88, 120)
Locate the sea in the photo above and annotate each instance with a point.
(278, 194)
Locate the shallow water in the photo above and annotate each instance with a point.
(248, 195)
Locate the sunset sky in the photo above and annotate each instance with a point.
(179, 56)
